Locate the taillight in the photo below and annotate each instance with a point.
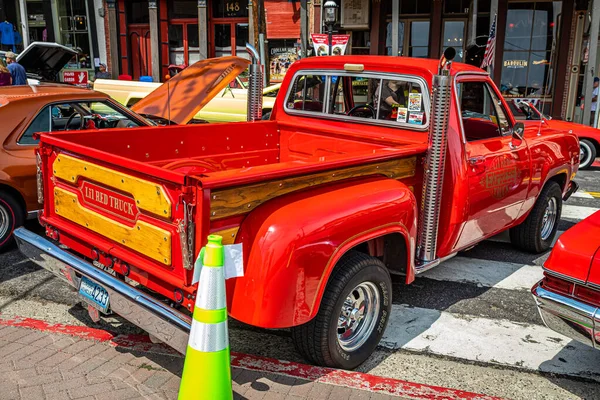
(559, 285)
(39, 178)
(588, 295)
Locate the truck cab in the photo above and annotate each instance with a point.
(369, 166)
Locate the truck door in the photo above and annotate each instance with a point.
(498, 165)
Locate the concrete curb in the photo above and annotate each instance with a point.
(349, 379)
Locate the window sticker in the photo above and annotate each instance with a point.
(402, 114)
(415, 118)
(414, 102)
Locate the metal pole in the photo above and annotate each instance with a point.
(303, 28)
(202, 30)
(115, 64)
(591, 65)
(330, 33)
(395, 14)
(24, 23)
(473, 27)
(153, 14)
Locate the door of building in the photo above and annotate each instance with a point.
(141, 47)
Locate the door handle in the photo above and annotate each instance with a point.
(476, 160)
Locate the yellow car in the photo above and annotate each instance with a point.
(229, 105)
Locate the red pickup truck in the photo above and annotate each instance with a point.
(369, 166)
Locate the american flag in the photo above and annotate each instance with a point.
(490, 48)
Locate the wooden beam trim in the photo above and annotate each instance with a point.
(243, 199)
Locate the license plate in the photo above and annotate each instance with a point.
(94, 294)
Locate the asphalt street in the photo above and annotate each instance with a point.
(470, 324)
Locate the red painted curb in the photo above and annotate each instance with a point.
(349, 379)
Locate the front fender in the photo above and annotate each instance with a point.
(292, 243)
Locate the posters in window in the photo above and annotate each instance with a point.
(415, 118)
(321, 44)
(414, 102)
(402, 114)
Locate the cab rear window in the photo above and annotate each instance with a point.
(390, 100)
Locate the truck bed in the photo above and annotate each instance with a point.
(141, 201)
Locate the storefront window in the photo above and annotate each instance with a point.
(73, 27)
(230, 8)
(415, 7)
(182, 9)
(137, 11)
(419, 39)
(456, 6)
(454, 32)
(531, 32)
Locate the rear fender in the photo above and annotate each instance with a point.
(292, 244)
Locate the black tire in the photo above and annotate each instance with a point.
(266, 115)
(317, 340)
(528, 235)
(11, 214)
(588, 153)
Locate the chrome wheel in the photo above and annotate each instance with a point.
(5, 221)
(358, 316)
(585, 155)
(549, 219)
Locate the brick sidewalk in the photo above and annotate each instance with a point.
(53, 366)
(46, 361)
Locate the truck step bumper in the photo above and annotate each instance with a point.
(568, 316)
(163, 322)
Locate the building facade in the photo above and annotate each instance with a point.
(74, 23)
(541, 52)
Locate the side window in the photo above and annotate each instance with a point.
(308, 93)
(503, 121)
(41, 123)
(479, 111)
(400, 101)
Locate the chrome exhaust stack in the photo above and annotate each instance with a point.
(255, 85)
(435, 165)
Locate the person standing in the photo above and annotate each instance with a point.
(5, 76)
(102, 73)
(594, 101)
(19, 76)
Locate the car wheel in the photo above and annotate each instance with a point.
(537, 232)
(12, 216)
(353, 314)
(587, 153)
(266, 115)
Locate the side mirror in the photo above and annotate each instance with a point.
(518, 131)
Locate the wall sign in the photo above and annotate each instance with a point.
(515, 63)
(355, 14)
(79, 78)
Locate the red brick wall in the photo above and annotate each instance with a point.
(283, 19)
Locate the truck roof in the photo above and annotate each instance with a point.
(418, 66)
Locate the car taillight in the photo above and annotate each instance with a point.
(557, 284)
(587, 294)
(39, 178)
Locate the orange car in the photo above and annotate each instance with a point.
(25, 110)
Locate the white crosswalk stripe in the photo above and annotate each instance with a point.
(577, 212)
(474, 335)
(498, 342)
(486, 273)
